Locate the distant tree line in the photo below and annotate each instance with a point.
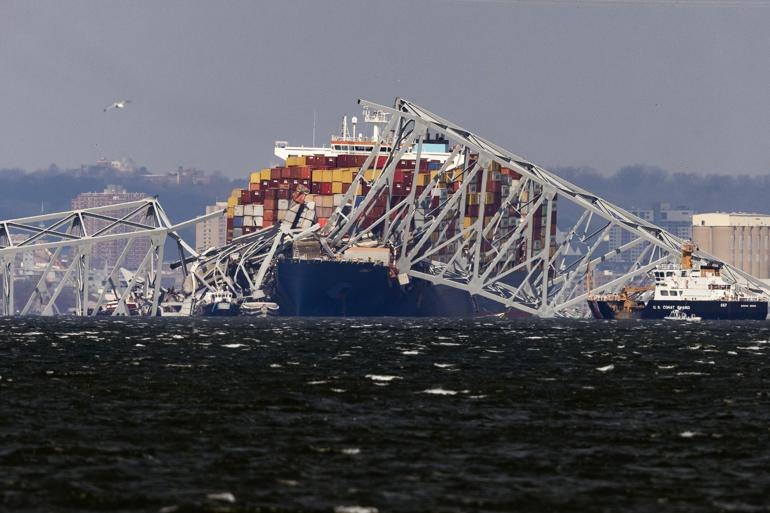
(642, 186)
(52, 189)
(639, 186)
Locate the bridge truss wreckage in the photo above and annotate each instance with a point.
(506, 254)
(52, 253)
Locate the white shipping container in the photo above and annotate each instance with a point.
(238, 210)
(248, 210)
(283, 204)
(259, 221)
(259, 210)
(248, 220)
(337, 201)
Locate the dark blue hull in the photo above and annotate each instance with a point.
(350, 289)
(713, 310)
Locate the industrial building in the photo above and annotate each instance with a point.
(675, 220)
(212, 232)
(739, 239)
(107, 253)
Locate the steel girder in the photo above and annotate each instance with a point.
(55, 250)
(507, 254)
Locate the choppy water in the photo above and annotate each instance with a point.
(398, 415)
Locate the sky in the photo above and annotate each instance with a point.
(681, 85)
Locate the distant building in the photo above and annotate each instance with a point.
(739, 239)
(121, 166)
(107, 253)
(213, 232)
(677, 221)
(620, 237)
(182, 176)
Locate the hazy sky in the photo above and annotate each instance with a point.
(681, 85)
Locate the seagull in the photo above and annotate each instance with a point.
(119, 104)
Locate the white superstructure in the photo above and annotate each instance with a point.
(351, 142)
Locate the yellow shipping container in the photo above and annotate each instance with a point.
(337, 175)
(327, 176)
(473, 198)
(359, 189)
(467, 221)
(318, 175)
(347, 176)
(336, 187)
(255, 177)
(369, 175)
(264, 174)
(295, 161)
(423, 179)
(230, 212)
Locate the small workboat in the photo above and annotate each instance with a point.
(679, 315)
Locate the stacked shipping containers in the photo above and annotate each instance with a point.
(323, 181)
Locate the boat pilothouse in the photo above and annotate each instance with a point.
(697, 291)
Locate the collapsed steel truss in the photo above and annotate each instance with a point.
(507, 254)
(57, 250)
(505, 265)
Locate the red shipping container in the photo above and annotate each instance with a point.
(268, 214)
(254, 186)
(229, 223)
(256, 196)
(245, 197)
(264, 184)
(315, 188)
(275, 173)
(304, 173)
(269, 204)
(398, 176)
(282, 194)
(326, 188)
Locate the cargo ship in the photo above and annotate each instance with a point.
(361, 281)
(695, 291)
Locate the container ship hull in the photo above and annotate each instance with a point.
(359, 289)
(656, 309)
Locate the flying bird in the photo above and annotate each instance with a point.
(119, 104)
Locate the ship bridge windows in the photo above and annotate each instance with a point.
(664, 293)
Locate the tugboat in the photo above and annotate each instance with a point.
(696, 292)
